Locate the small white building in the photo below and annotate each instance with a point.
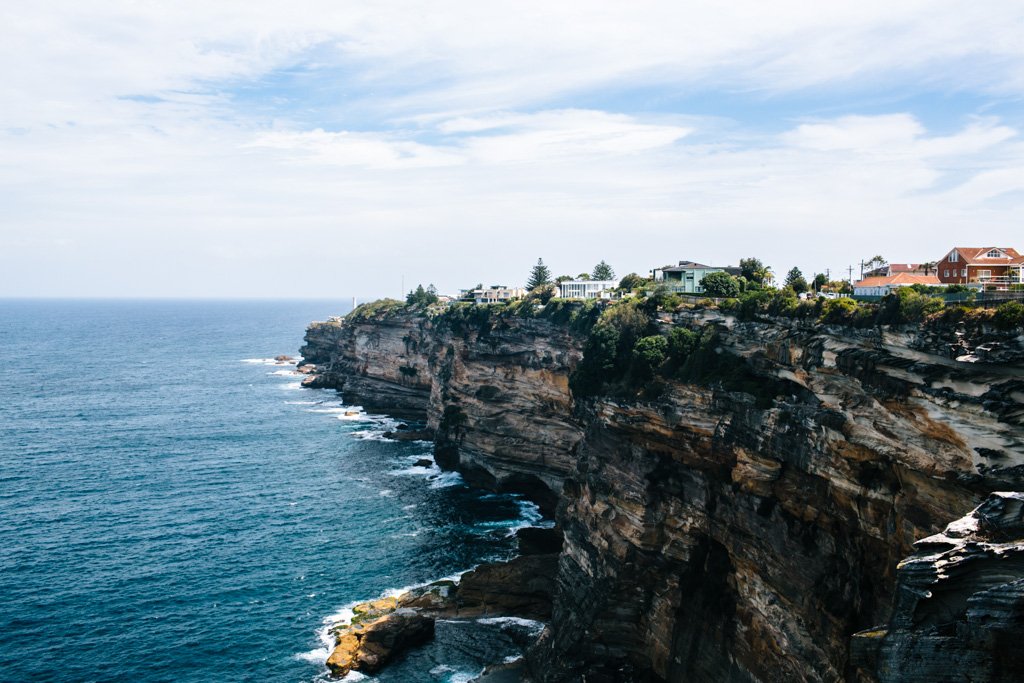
(585, 289)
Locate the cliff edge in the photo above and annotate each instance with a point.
(736, 500)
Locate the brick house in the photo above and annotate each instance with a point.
(999, 266)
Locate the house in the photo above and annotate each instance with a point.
(585, 289)
(495, 294)
(688, 275)
(998, 266)
(897, 268)
(880, 285)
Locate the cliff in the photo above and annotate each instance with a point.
(736, 513)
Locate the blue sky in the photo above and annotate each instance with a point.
(331, 149)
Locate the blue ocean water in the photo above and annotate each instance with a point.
(173, 507)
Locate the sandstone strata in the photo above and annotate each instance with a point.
(738, 528)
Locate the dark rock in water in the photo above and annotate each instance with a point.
(521, 587)
(410, 435)
(306, 369)
(401, 425)
(423, 462)
(959, 609)
(512, 672)
(537, 541)
(283, 359)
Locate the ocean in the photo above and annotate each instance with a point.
(174, 507)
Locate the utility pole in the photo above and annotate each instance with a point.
(850, 277)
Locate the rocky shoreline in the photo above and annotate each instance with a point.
(382, 629)
(738, 525)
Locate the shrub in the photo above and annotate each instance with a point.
(682, 341)
(1009, 315)
(720, 285)
(838, 310)
(648, 354)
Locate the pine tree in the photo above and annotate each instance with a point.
(602, 271)
(795, 280)
(540, 275)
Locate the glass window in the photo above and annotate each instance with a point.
(963, 273)
(995, 253)
(954, 257)
(945, 273)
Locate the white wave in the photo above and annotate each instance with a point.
(417, 471)
(532, 625)
(317, 656)
(386, 493)
(445, 480)
(285, 373)
(442, 669)
(511, 659)
(292, 385)
(301, 403)
(269, 361)
(463, 677)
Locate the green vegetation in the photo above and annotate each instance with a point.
(631, 282)
(375, 309)
(1009, 315)
(422, 297)
(795, 281)
(721, 285)
(602, 271)
(752, 270)
(539, 275)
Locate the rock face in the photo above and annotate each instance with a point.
(740, 528)
(959, 612)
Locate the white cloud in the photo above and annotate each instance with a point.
(160, 141)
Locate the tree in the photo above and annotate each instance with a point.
(649, 353)
(755, 271)
(721, 285)
(820, 280)
(562, 278)
(795, 280)
(583, 276)
(872, 263)
(539, 275)
(929, 267)
(421, 296)
(631, 282)
(602, 271)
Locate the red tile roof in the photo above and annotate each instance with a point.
(899, 279)
(976, 255)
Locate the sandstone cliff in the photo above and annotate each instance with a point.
(740, 524)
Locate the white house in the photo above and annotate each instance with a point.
(585, 289)
(496, 294)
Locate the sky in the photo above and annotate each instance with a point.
(334, 149)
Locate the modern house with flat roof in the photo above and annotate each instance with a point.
(988, 266)
(495, 294)
(688, 276)
(585, 289)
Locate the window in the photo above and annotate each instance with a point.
(945, 273)
(984, 274)
(995, 253)
(963, 273)
(953, 257)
